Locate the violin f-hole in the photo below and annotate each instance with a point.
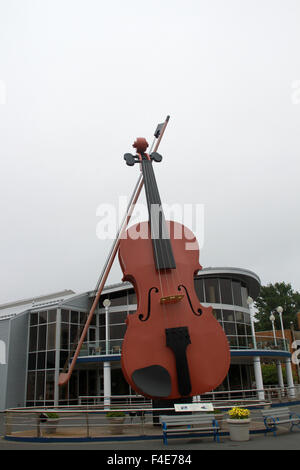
(199, 311)
(141, 316)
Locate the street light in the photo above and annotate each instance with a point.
(106, 305)
(280, 310)
(106, 364)
(272, 319)
(250, 302)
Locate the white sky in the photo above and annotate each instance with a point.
(80, 80)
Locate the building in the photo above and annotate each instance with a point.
(37, 338)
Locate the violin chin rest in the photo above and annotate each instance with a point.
(153, 380)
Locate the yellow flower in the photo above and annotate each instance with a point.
(239, 413)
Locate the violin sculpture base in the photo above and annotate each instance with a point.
(170, 350)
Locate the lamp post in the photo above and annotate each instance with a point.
(256, 359)
(106, 364)
(280, 310)
(272, 320)
(250, 302)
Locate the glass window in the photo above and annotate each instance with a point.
(102, 333)
(241, 330)
(50, 385)
(244, 292)
(51, 336)
(33, 338)
(64, 355)
(30, 385)
(228, 315)
(40, 385)
(132, 300)
(237, 295)
(50, 364)
(212, 290)
(42, 317)
(31, 362)
(42, 337)
(117, 317)
(229, 328)
(74, 333)
(199, 288)
(117, 331)
(226, 291)
(33, 319)
(41, 360)
(239, 317)
(74, 317)
(118, 298)
(83, 317)
(64, 337)
(65, 316)
(51, 316)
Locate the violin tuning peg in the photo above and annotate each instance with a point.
(130, 159)
(156, 157)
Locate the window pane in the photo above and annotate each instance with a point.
(74, 317)
(229, 328)
(32, 362)
(65, 315)
(30, 385)
(239, 317)
(51, 336)
(42, 337)
(33, 338)
(226, 292)
(51, 316)
(237, 295)
(118, 298)
(244, 292)
(117, 317)
(50, 360)
(33, 319)
(132, 300)
(64, 338)
(212, 291)
(40, 385)
(228, 315)
(42, 317)
(199, 288)
(50, 385)
(117, 331)
(41, 360)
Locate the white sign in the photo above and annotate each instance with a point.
(194, 407)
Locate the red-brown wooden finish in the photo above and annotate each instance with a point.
(144, 344)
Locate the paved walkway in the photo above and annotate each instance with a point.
(284, 440)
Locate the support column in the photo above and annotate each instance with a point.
(289, 377)
(258, 378)
(279, 374)
(107, 384)
(57, 356)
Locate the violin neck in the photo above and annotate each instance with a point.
(162, 248)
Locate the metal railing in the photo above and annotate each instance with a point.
(113, 347)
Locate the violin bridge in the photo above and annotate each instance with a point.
(171, 299)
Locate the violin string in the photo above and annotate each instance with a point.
(159, 243)
(171, 276)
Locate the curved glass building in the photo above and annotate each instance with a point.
(40, 336)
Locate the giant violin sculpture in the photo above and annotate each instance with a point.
(173, 346)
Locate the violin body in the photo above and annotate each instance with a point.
(173, 346)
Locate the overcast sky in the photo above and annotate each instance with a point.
(81, 79)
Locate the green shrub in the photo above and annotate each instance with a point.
(115, 414)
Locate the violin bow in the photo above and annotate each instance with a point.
(65, 376)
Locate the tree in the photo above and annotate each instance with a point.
(273, 296)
